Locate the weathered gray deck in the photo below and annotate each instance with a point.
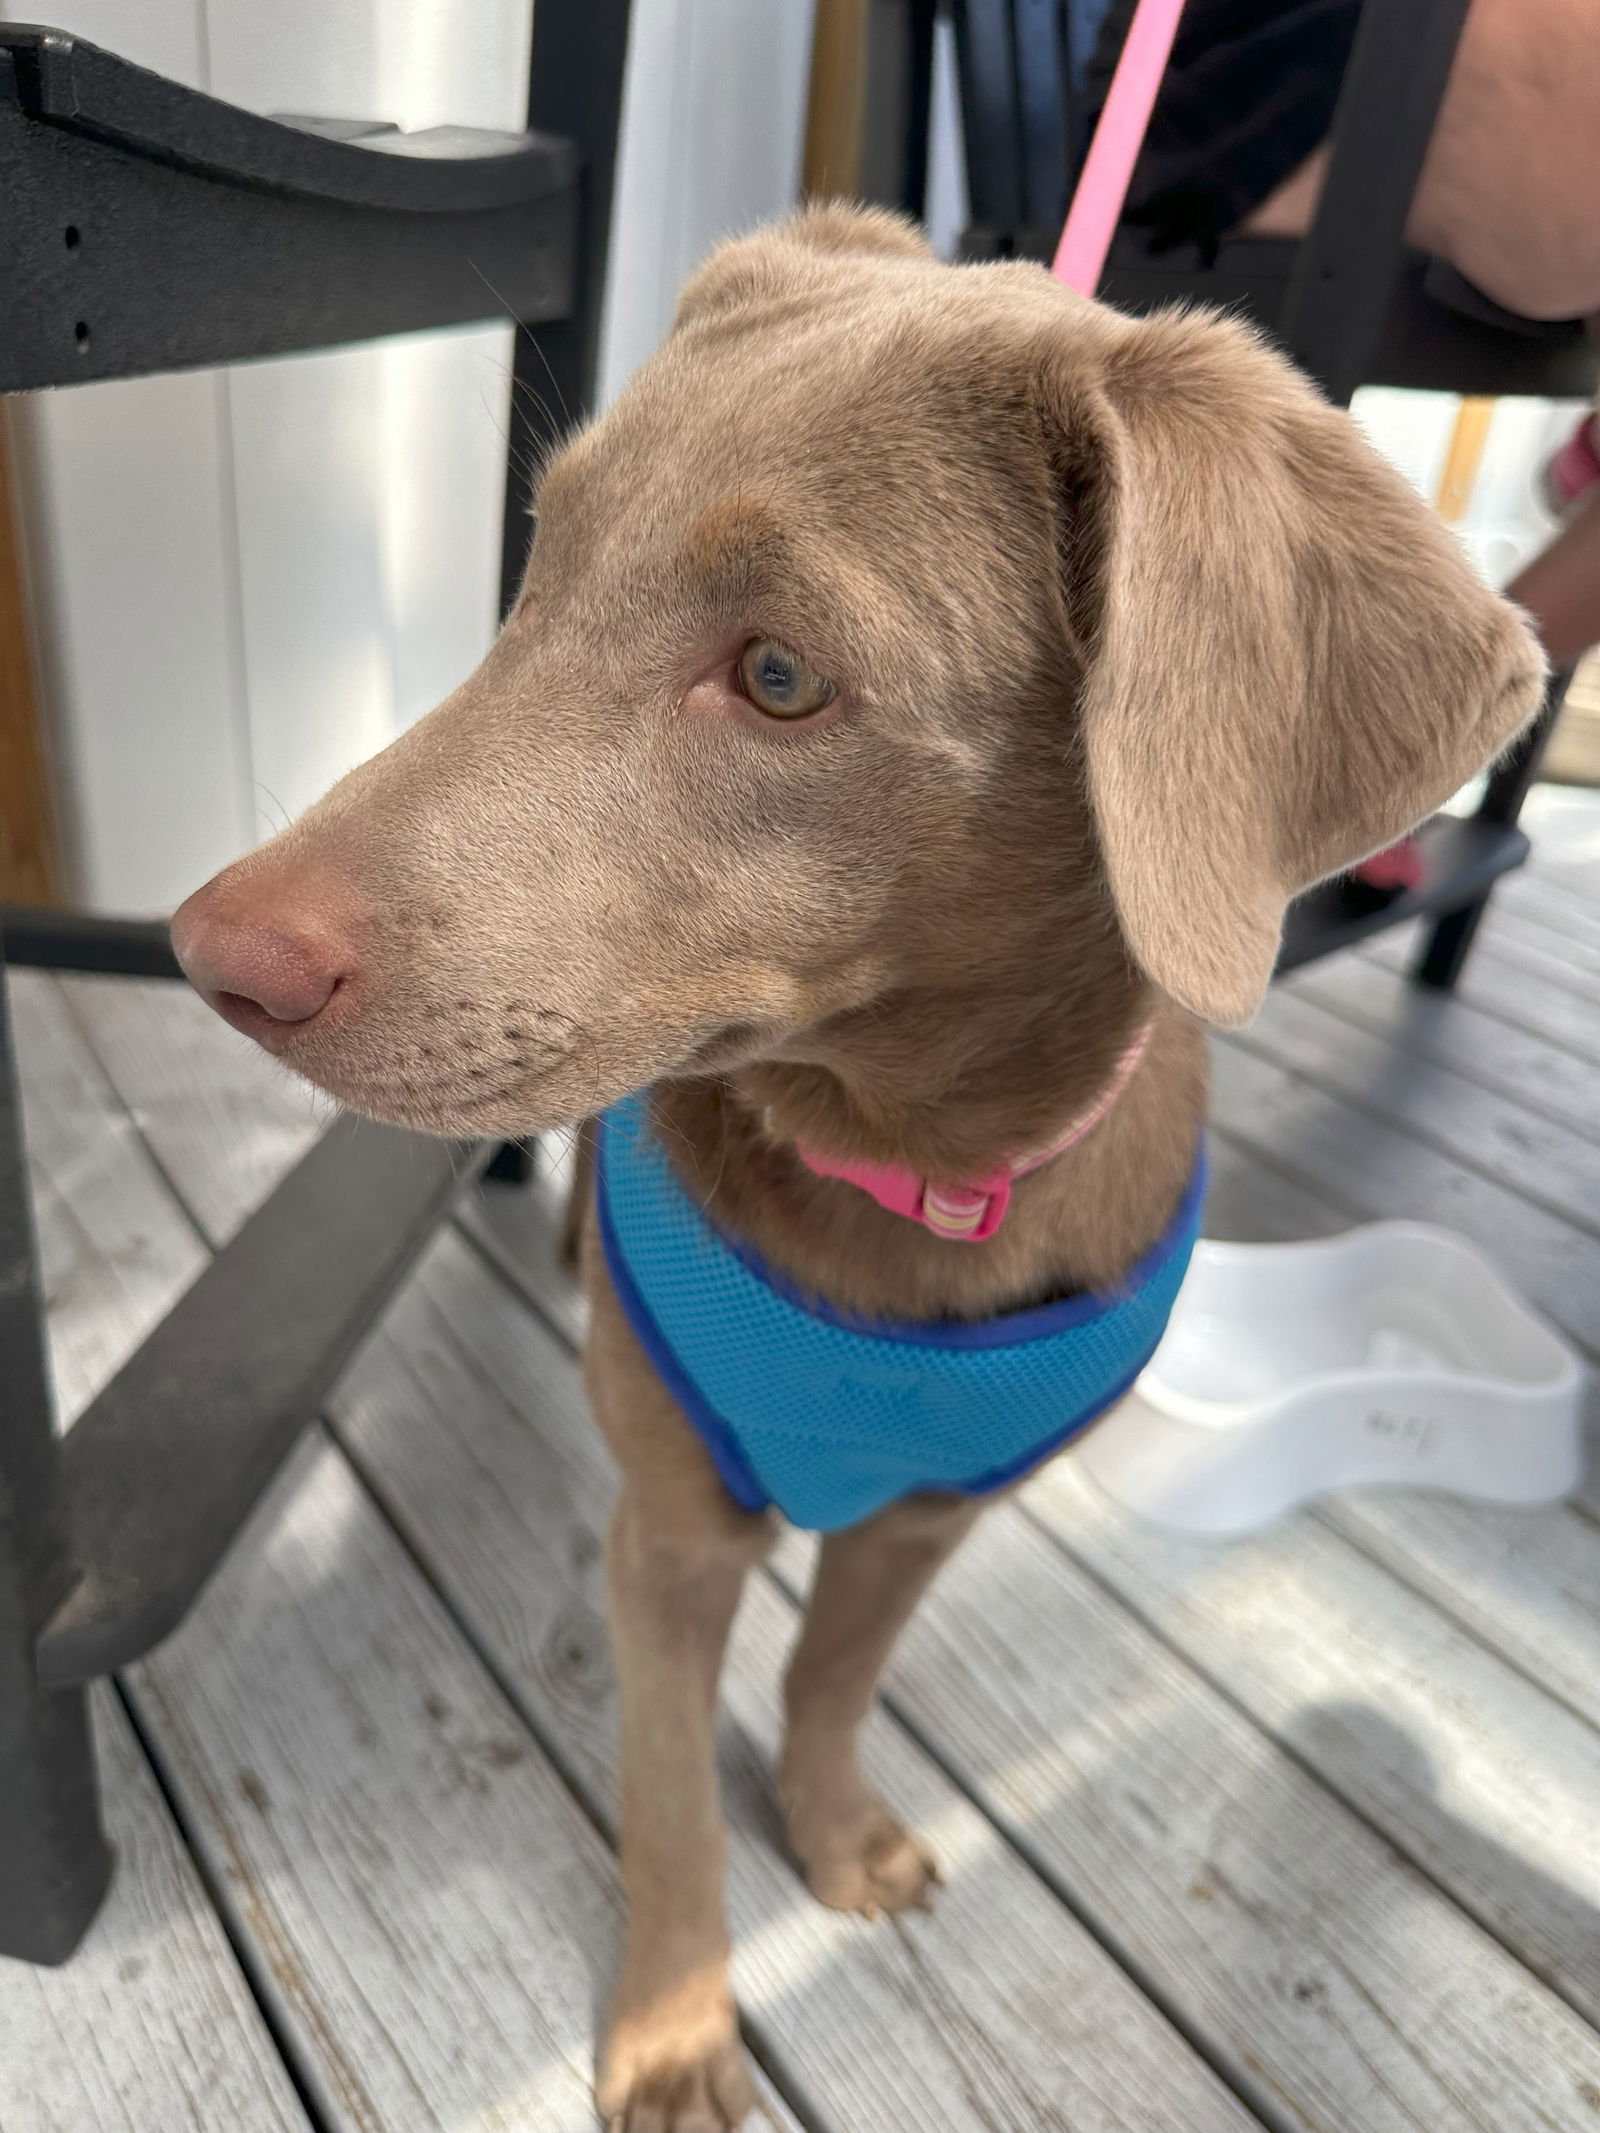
(1300, 1833)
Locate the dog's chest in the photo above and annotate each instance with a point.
(828, 1418)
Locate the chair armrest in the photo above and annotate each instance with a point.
(70, 83)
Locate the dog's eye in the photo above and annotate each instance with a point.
(780, 683)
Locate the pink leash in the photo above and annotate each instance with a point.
(1108, 168)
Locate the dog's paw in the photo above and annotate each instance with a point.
(863, 1858)
(674, 2066)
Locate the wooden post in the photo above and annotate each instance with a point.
(1462, 460)
(29, 869)
(836, 110)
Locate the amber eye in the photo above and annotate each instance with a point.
(780, 683)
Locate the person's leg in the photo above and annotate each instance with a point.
(1560, 588)
(1509, 190)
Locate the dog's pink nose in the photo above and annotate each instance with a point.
(268, 963)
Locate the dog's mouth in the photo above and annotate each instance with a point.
(453, 1108)
(462, 1068)
(487, 1077)
(519, 1104)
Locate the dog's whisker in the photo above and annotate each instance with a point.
(530, 339)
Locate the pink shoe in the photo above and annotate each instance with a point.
(1399, 866)
(1574, 468)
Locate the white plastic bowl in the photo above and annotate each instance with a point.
(1392, 1354)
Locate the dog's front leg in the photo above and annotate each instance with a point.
(677, 1557)
(857, 1855)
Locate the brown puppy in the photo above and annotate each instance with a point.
(1107, 637)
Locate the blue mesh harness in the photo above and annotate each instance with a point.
(830, 1417)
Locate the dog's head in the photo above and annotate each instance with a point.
(899, 624)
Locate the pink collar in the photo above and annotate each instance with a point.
(968, 1213)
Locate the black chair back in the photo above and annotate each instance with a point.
(1349, 301)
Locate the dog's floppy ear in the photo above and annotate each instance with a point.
(1288, 661)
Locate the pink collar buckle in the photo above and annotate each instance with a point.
(966, 1214)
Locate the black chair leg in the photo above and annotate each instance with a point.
(511, 1164)
(1445, 950)
(54, 1861)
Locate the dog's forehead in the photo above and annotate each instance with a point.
(845, 428)
(821, 403)
(762, 408)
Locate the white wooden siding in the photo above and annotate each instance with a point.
(246, 581)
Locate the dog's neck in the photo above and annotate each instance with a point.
(949, 1082)
(971, 1209)
(947, 1079)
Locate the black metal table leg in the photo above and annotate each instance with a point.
(54, 1862)
(1445, 950)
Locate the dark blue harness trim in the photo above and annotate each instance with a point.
(736, 1473)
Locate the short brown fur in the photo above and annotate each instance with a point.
(1134, 638)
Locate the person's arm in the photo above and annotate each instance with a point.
(1560, 588)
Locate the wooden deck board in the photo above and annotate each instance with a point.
(151, 2028)
(1334, 1981)
(1379, 1169)
(1566, 952)
(115, 1249)
(1554, 1165)
(1545, 1079)
(1569, 903)
(1454, 1755)
(435, 1919)
(1529, 995)
(189, 1081)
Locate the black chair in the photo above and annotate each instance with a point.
(1349, 302)
(145, 227)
